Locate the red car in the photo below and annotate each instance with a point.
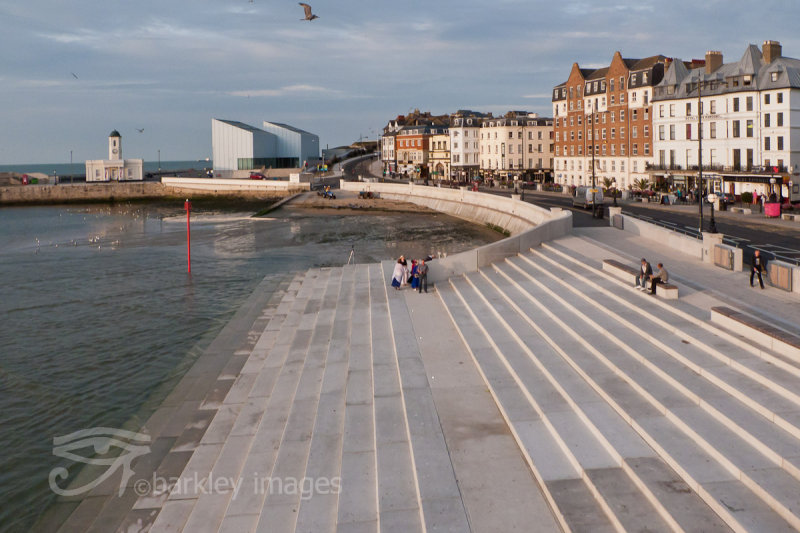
(257, 176)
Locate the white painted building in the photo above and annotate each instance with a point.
(237, 146)
(293, 147)
(114, 168)
(749, 109)
(516, 146)
(465, 133)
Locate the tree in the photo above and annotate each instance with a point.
(641, 184)
(608, 183)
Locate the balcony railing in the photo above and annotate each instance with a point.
(751, 169)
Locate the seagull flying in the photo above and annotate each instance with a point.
(140, 130)
(74, 75)
(309, 14)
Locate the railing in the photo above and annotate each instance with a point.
(752, 169)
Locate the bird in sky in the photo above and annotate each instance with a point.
(140, 130)
(74, 75)
(309, 14)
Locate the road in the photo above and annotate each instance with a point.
(775, 238)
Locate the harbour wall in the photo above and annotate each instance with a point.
(122, 191)
(529, 225)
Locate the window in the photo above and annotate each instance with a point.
(780, 143)
(749, 131)
(672, 132)
(633, 96)
(621, 83)
(613, 98)
(688, 109)
(604, 133)
(780, 98)
(780, 119)
(766, 98)
(611, 84)
(622, 98)
(774, 76)
(612, 116)
(766, 120)
(613, 133)
(736, 128)
(688, 131)
(713, 107)
(647, 114)
(712, 130)
(511, 133)
(661, 136)
(766, 143)
(634, 132)
(646, 148)
(661, 111)
(646, 131)
(635, 149)
(749, 103)
(634, 114)
(672, 110)
(622, 133)
(735, 105)
(622, 116)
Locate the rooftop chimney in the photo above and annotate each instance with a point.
(770, 51)
(713, 60)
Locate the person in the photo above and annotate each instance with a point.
(404, 280)
(662, 276)
(399, 275)
(414, 277)
(757, 268)
(644, 275)
(422, 272)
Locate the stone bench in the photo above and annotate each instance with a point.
(776, 339)
(789, 216)
(628, 274)
(742, 210)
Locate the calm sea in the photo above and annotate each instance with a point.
(100, 319)
(79, 169)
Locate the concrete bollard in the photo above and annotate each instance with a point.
(611, 212)
(709, 241)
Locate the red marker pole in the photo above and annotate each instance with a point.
(188, 206)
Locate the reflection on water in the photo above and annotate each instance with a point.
(99, 317)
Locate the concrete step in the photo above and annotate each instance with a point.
(438, 493)
(702, 379)
(598, 459)
(241, 457)
(318, 513)
(358, 498)
(280, 509)
(557, 471)
(398, 497)
(624, 365)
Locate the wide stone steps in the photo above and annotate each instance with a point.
(737, 450)
(629, 391)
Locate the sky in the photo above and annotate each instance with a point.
(71, 72)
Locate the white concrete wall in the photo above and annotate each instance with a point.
(529, 225)
(665, 237)
(248, 185)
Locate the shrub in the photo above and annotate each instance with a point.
(747, 198)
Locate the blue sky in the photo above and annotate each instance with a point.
(169, 67)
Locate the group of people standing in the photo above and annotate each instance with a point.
(416, 276)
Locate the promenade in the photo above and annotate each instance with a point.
(537, 393)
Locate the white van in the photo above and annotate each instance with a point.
(585, 196)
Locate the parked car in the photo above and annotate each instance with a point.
(727, 198)
(257, 176)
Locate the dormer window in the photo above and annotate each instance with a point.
(644, 77)
(773, 76)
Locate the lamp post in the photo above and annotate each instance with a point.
(614, 184)
(594, 179)
(159, 160)
(700, 151)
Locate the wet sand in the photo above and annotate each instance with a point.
(348, 202)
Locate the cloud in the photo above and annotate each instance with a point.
(294, 90)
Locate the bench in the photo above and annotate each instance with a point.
(628, 274)
(742, 210)
(789, 216)
(773, 338)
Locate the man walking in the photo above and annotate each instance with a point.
(422, 271)
(758, 266)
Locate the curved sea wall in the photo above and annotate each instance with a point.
(529, 225)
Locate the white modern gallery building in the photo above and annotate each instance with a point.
(237, 146)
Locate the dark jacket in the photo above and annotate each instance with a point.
(648, 270)
(759, 263)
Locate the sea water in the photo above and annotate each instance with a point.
(100, 318)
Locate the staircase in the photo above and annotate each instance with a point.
(632, 413)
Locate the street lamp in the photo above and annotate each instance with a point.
(594, 179)
(712, 226)
(614, 184)
(700, 151)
